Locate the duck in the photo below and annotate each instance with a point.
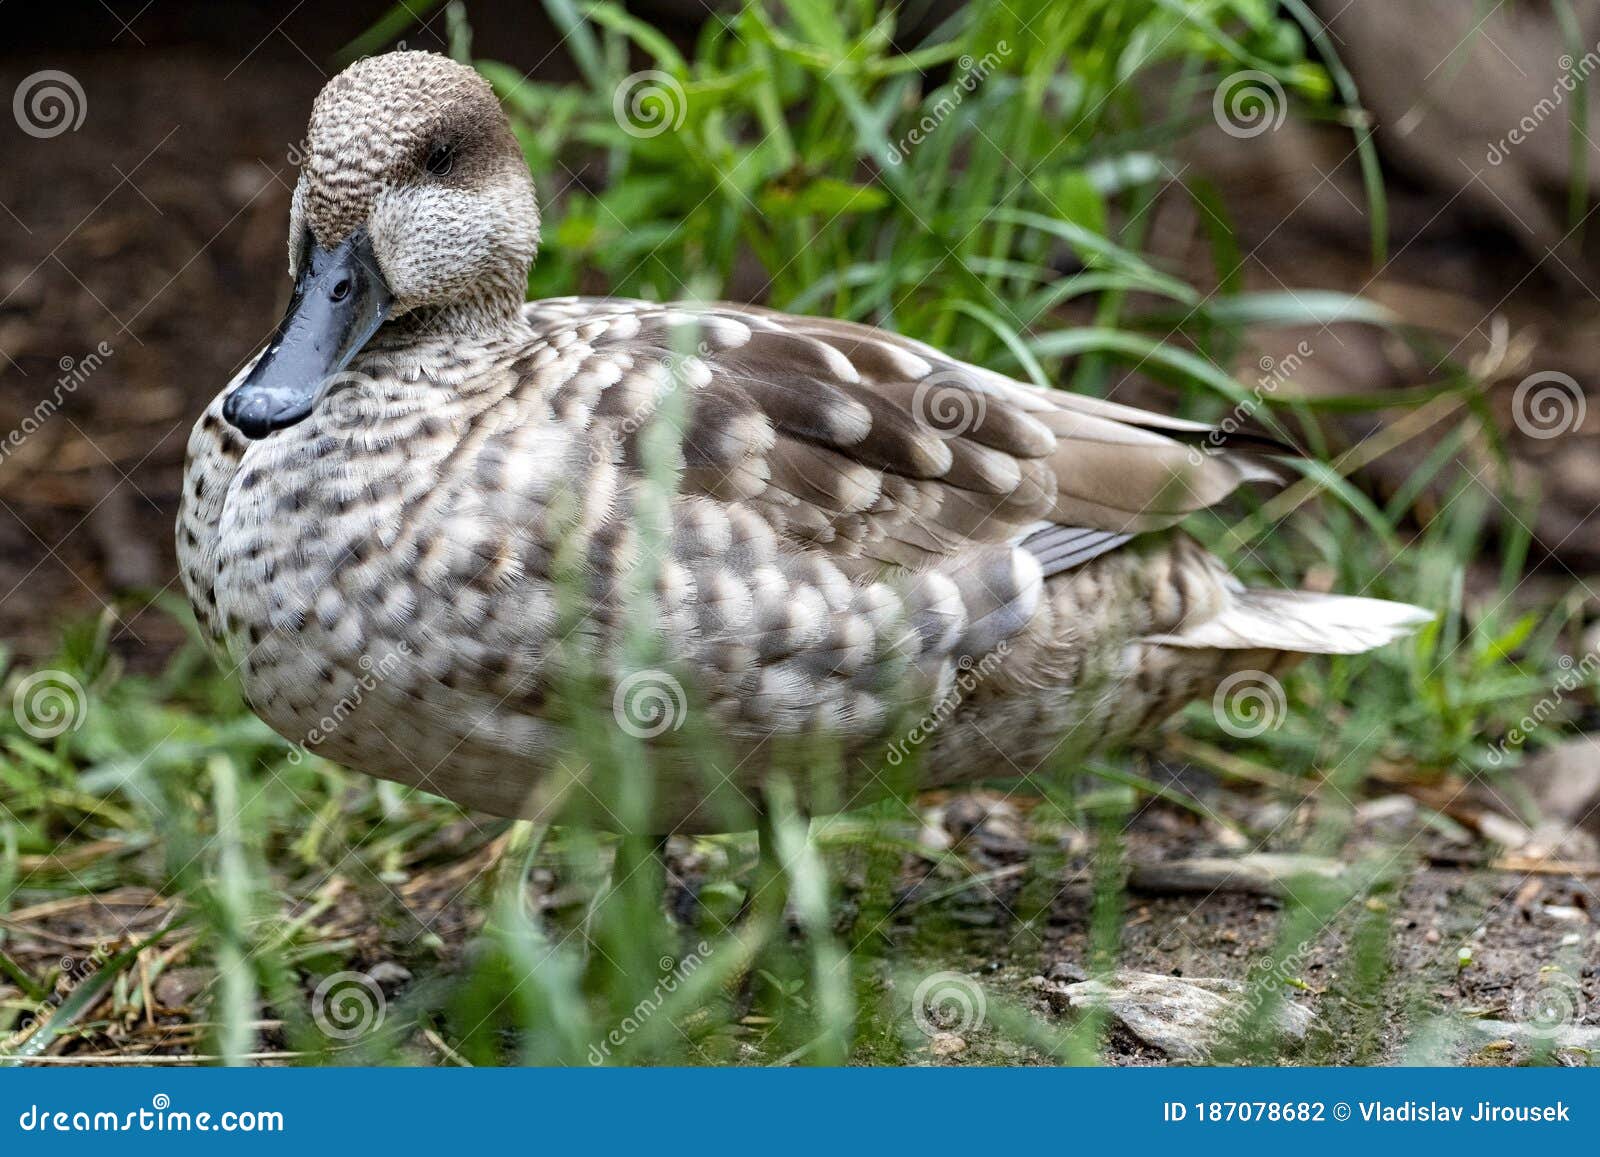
(441, 532)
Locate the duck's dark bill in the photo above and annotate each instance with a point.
(339, 302)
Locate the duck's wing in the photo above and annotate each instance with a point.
(880, 450)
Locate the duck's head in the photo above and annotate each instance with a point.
(414, 209)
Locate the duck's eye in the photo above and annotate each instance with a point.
(441, 159)
(341, 289)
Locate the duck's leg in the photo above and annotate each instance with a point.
(640, 866)
(760, 921)
(683, 893)
(626, 924)
(768, 889)
(645, 857)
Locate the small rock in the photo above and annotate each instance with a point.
(962, 815)
(1270, 816)
(1181, 1017)
(947, 1044)
(177, 988)
(1065, 971)
(1558, 840)
(1565, 1036)
(1565, 782)
(932, 834)
(1390, 811)
(388, 974)
(1506, 832)
(1565, 913)
(1229, 839)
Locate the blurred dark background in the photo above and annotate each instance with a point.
(156, 227)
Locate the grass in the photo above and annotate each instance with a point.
(788, 156)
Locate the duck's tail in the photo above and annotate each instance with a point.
(1301, 622)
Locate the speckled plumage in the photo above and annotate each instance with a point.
(860, 523)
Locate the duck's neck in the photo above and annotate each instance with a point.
(481, 321)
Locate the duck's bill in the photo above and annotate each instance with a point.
(339, 302)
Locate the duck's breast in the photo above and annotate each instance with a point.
(388, 559)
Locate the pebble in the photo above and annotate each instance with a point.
(1181, 1017)
(1396, 810)
(1565, 912)
(389, 974)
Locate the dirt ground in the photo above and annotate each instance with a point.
(1434, 959)
(1435, 898)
